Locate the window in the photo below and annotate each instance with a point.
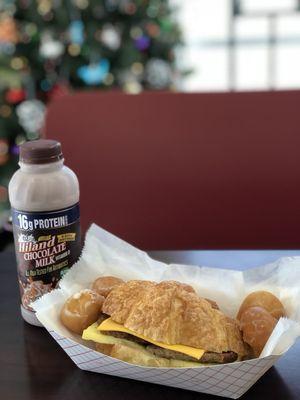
(240, 44)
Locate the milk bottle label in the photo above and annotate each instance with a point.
(47, 245)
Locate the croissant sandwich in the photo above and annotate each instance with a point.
(165, 325)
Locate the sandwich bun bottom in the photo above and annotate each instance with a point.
(137, 355)
(104, 348)
(265, 300)
(257, 325)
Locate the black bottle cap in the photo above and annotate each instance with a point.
(42, 151)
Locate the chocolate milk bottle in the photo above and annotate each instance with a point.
(44, 195)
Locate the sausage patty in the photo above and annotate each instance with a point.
(208, 356)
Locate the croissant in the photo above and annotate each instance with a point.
(172, 313)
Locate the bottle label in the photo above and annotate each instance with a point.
(47, 244)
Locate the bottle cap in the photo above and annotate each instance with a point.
(42, 151)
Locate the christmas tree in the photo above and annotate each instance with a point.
(50, 47)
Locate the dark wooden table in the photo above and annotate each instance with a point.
(34, 367)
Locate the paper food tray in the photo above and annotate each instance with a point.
(105, 254)
(228, 380)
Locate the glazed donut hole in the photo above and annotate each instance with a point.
(105, 284)
(256, 325)
(265, 300)
(81, 310)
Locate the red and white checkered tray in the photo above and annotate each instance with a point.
(228, 380)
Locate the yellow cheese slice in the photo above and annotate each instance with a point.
(91, 333)
(110, 325)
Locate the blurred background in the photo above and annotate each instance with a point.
(51, 48)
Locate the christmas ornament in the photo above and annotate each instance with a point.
(166, 25)
(7, 48)
(3, 193)
(31, 115)
(74, 49)
(4, 159)
(30, 29)
(17, 63)
(5, 111)
(137, 68)
(9, 78)
(3, 151)
(15, 150)
(136, 32)
(76, 32)
(142, 43)
(8, 30)
(129, 82)
(94, 73)
(82, 4)
(3, 146)
(44, 7)
(14, 96)
(45, 85)
(127, 7)
(50, 48)
(8, 6)
(152, 29)
(127, 76)
(132, 87)
(158, 73)
(20, 139)
(110, 37)
(109, 79)
(153, 9)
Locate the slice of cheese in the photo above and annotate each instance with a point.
(91, 333)
(110, 325)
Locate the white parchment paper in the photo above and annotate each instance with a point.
(105, 254)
